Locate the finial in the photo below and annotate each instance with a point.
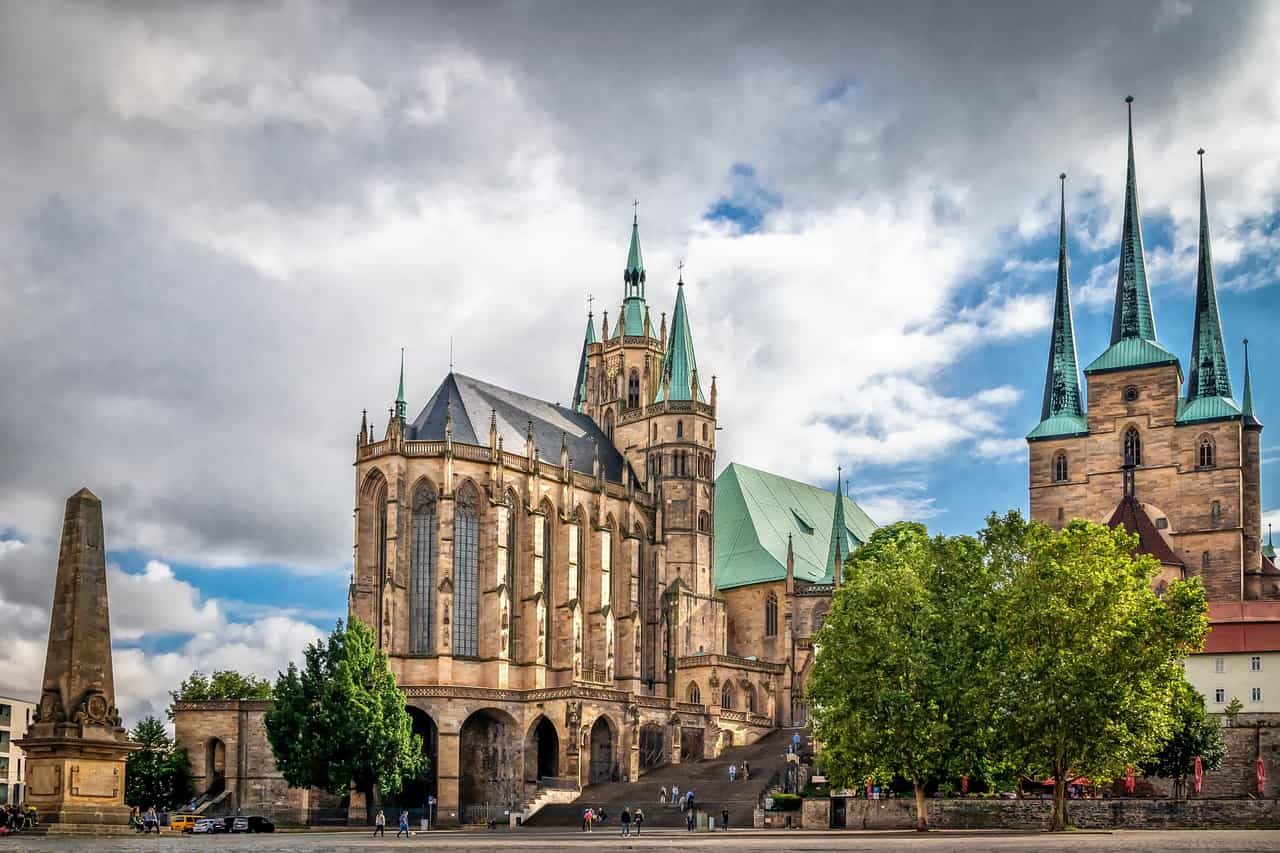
(680, 281)
(635, 212)
(1269, 542)
(590, 304)
(451, 353)
(1128, 99)
(493, 418)
(529, 430)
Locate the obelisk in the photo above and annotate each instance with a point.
(76, 747)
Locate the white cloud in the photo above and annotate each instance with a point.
(1002, 449)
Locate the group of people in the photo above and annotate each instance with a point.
(628, 819)
(148, 821)
(380, 824)
(15, 818)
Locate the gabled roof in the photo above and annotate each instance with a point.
(755, 512)
(470, 401)
(679, 364)
(1132, 515)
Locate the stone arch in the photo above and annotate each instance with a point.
(215, 766)
(749, 701)
(416, 791)
(602, 751)
(653, 745)
(373, 528)
(488, 762)
(541, 751)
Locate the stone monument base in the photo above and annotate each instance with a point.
(77, 782)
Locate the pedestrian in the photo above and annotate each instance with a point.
(625, 820)
(602, 815)
(733, 772)
(404, 824)
(662, 797)
(688, 799)
(380, 824)
(746, 771)
(689, 820)
(586, 819)
(675, 793)
(638, 819)
(724, 819)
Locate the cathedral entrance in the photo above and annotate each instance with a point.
(691, 743)
(653, 745)
(415, 793)
(488, 752)
(541, 752)
(602, 767)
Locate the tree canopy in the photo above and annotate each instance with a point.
(224, 684)
(158, 774)
(1195, 734)
(341, 720)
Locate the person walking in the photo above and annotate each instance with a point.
(724, 819)
(733, 773)
(688, 799)
(380, 824)
(625, 820)
(404, 824)
(689, 820)
(746, 771)
(586, 819)
(662, 796)
(675, 793)
(638, 819)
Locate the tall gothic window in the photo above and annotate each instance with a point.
(606, 566)
(1060, 467)
(513, 548)
(422, 573)
(726, 696)
(633, 390)
(693, 694)
(1132, 446)
(1206, 452)
(548, 552)
(749, 698)
(771, 616)
(704, 522)
(381, 528)
(582, 558)
(466, 572)
(679, 429)
(608, 424)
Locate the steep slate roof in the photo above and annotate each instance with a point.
(1133, 325)
(755, 512)
(1132, 515)
(470, 401)
(1062, 411)
(679, 363)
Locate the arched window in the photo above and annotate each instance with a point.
(633, 389)
(381, 528)
(1060, 467)
(704, 432)
(693, 694)
(659, 461)
(704, 522)
(1206, 452)
(1204, 560)
(679, 429)
(608, 424)
(655, 432)
(1215, 511)
(819, 614)
(726, 696)
(548, 555)
(582, 556)
(771, 616)
(748, 698)
(466, 572)
(1132, 446)
(513, 550)
(422, 572)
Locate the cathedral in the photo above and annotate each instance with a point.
(567, 595)
(1175, 458)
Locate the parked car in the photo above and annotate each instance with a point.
(253, 823)
(182, 822)
(207, 826)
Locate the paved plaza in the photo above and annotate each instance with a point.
(746, 841)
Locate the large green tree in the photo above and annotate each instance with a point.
(1089, 657)
(1195, 734)
(222, 685)
(158, 774)
(341, 720)
(896, 687)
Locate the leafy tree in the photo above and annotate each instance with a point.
(223, 685)
(156, 775)
(1233, 709)
(896, 686)
(1089, 656)
(340, 720)
(1195, 733)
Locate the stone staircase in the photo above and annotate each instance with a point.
(709, 781)
(545, 797)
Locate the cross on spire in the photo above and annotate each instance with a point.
(635, 212)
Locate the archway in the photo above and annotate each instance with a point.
(602, 767)
(415, 793)
(215, 766)
(653, 745)
(541, 752)
(488, 755)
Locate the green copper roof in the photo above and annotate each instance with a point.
(1207, 370)
(679, 363)
(842, 539)
(401, 406)
(580, 386)
(631, 318)
(1131, 352)
(633, 276)
(1062, 399)
(1060, 426)
(1203, 409)
(1132, 317)
(1247, 409)
(755, 512)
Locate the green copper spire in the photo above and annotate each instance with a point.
(633, 276)
(1207, 371)
(679, 366)
(838, 551)
(1133, 326)
(1247, 409)
(401, 406)
(580, 387)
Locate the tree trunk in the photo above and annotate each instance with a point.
(922, 807)
(1059, 803)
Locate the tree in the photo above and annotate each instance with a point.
(156, 775)
(1089, 656)
(1195, 733)
(895, 687)
(225, 684)
(341, 720)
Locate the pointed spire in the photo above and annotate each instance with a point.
(679, 365)
(1207, 372)
(1132, 317)
(401, 407)
(364, 427)
(633, 276)
(580, 387)
(839, 547)
(1246, 407)
(1062, 377)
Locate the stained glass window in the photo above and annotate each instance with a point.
(466, 573)
(422, 573)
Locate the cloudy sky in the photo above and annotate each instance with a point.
(219, 223)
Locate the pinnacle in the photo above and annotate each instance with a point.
(85, 494)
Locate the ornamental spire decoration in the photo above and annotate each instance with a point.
(1207, 376)
(1246, 407)
(633, 275)
(839, 549)
(1062, 378)
(1132, 317)
(580, 387)
(679, 365)
(401, 406)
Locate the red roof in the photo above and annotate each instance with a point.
(1243, 626)
(1132, 515)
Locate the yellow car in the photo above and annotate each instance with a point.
(182, 822)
